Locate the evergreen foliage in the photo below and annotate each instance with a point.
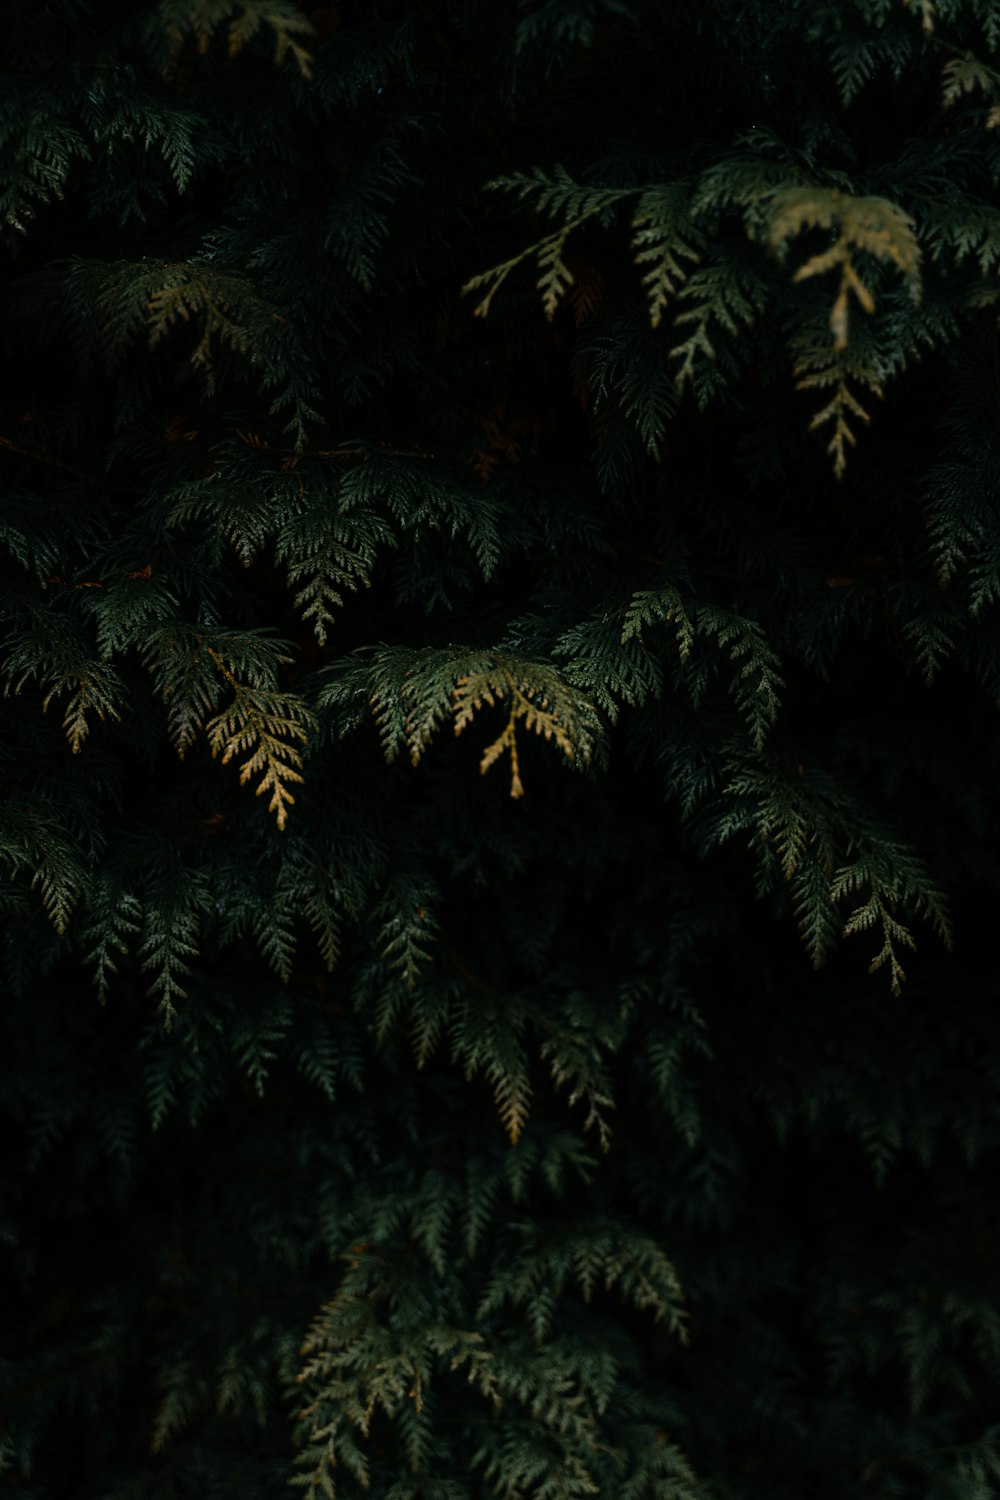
(499, 572)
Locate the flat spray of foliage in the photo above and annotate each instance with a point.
(499, 586)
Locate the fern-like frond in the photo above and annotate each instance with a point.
(268, 728)
(35, 844)
(575, 1061)
(174, 908)
(723, 293)
(533, 695)
(838, 374)
(39, 148)
(487, 1036)
(55, 653)
(869, 226)
(757, 683)
(193, 670)
(891, 879)
(969, 75)
(328, 555)
(114, 918)
(609, 671)
(218, 304)
(406, 928)
(819, 837)
(355, 1366)
(663, 238)
(257, 1034)
(241, 21)
(413, 692)
(556, 196)
(186, 678)
(587, 1254)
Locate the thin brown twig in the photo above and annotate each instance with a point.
(251, 440)
(58, 463)
(40, 458)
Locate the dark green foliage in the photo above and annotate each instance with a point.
(622, 1121)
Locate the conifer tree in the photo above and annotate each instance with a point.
(500, 590)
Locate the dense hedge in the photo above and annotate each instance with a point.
(549, 455)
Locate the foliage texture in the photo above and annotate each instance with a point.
(499, 588)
